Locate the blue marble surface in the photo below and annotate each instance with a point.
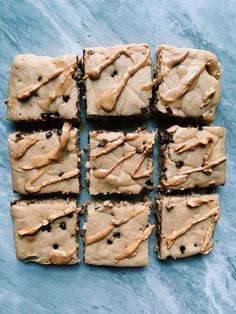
(203, 284)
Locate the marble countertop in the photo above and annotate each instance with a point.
(203, 284)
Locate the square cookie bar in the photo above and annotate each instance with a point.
(43, 87)
(189, 84)
(45, 162)
(45, 231)
(117, 81)
(192, 157)
(119, 162)
(116, 234)
(186, 225)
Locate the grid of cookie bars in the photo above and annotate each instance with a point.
(115, 84)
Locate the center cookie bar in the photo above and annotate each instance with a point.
(188, 82)
(192, 157)
(119, 162)
(186, 225)
(117, 80)
(43, 87)
(46, 231)
(116, 234)
(45, 162)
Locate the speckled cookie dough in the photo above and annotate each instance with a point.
(45, 231)
(116, 234)
(120, 163)
(43, 87)
(117, 80)
(186, 225)
(192, 157)
(45, 162)
(188, 82)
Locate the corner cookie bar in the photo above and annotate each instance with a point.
(45, 231)
(43, 87)
(186, 225)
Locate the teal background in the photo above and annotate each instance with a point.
(203, 284)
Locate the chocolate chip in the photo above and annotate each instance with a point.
(18, 134)
(40, 78)
(45, 115)
(165, 138)
(59, 132)
(149, 182)
(200, 128)
(48, 227)
(61, 173)
(109, 241)
(195, 244)
(114, 73)
(102, 143)
(48, 134)
(182, 249)
(169, 257)
(116, 234)
(169, 110)
(55, 246)
(70, 215)
(179, 164)
(63, 225)
(66, 98)
(144, 109)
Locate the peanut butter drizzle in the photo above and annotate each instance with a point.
(175, 93)
(208, 152)
(131, 250)
(60, 89)
(148, 172)
(58, 257)
(28, 91)
(44, 160)
(175, 59)
(103, 173)
(170, 239)
(96, 73)
(111, 146)
(24, 145)
(34, 229)
(209, 234)
(196, 202)
(105, 232)
(107, 100)
(211, 164)
(182, 177)
(176, 180)
(206, 97)
(33, 189)
(184, 147)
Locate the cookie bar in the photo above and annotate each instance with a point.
(189, 84)
(45, 162)
(45, 231)
(43, 87)
(117, 81)
(119, 162)
(186, 225)
(116, 234)
(192, 157)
